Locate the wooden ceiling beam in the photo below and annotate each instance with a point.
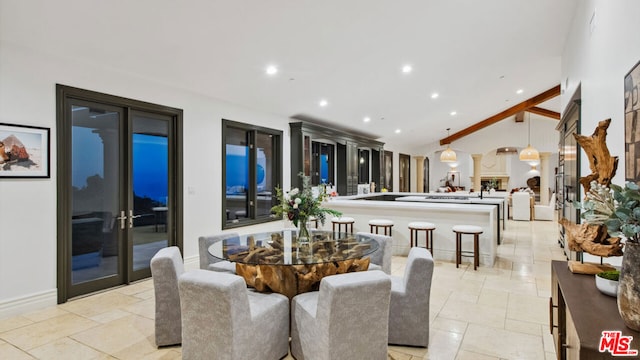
(544, 112)
(523, 106)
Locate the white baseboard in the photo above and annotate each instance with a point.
(21, 305)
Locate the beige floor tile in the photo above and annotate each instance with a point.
(512, 286)
(474, 313)
(496, 298)
(468, 355)
(523, 327)
(40, 333)
(110, 316)
(8, 351)
(146, 308)
(45, 314)
(408, 350)
(13, 323)
(99, 303)
(66, 348)
(445, 324)
(147, 350)
(528, 308)
(115, 336)
(502, 343)
(136, 288)
(443, 345)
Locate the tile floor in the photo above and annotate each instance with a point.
(491, 313)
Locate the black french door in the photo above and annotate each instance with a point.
(118, 177)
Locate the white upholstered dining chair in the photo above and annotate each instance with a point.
(166, 267)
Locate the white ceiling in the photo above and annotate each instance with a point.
(475, 54)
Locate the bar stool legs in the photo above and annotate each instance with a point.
(468, 230)
(417, 226)
(380, 223)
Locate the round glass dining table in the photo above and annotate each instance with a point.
(278, 262)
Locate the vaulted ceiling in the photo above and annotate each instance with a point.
(475, 55)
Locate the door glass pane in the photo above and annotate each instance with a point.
(237, 175)
(264, 173)
(95, 188)
(150, 176)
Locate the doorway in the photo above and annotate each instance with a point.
(118, 176)
(405, 172)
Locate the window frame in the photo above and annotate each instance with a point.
(252, 191)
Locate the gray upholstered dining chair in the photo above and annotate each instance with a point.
(410, 295)
(346, 319)
(166, 267)
(381, 258)
(208, 261)
(221, 319)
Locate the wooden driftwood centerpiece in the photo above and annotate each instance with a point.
(264, 268)
(594, 239)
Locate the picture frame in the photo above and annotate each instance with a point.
(631, 126)
(24, 151)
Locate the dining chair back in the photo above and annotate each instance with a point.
(166, 267)
(346, 319)
(210, 262)
(410, 296)
(221, 319)
(381, 258)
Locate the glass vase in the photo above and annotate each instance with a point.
(303, 231)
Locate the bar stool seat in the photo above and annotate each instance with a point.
(380, 223)
(313, 220)
(343, 220)
(416, 226)
(468, 230)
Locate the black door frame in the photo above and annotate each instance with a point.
(66, 94)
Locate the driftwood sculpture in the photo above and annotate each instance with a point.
(603, 166)
(594, 239)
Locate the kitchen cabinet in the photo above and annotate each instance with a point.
(349, 145)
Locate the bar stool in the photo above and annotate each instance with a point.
(343, 220)
(313, 220)
(417, 226)
(380, 223)
(468, 230)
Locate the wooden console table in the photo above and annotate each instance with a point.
(579, 313)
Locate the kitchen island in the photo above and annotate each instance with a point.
(443, 212)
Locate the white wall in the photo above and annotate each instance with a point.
(28, 207)
(598, 61)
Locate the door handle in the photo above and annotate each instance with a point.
(123, 219)
(131, 217)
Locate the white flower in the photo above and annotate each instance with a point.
(297, 201)
(294, 192)
(295, 206)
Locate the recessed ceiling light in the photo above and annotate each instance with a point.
(453, 113)
(271, 70)
(397, 131)
(520, 91)
(407, 69)
(435, 95)
(323, 103)
(366, 119)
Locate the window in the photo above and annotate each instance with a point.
(323, 163)
(252, 168)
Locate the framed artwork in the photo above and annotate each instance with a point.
(631, 126)
(24, 151)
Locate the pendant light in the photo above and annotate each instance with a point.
(529, 154)
(448, 155)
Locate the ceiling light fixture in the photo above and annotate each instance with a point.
(453, 113)
(519, 91)
(435, 95)
(397, 131)
(407, 69)
(506, 150)
(448, 155)
(529, 154)
(271, 70)
(323, 103)
(366, 119)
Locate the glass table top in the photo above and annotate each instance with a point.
(283, 248)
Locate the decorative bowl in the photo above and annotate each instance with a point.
(606, 286)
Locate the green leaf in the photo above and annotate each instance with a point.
(615, 188)
(613, 225)
(632, 186)
(623, 214)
